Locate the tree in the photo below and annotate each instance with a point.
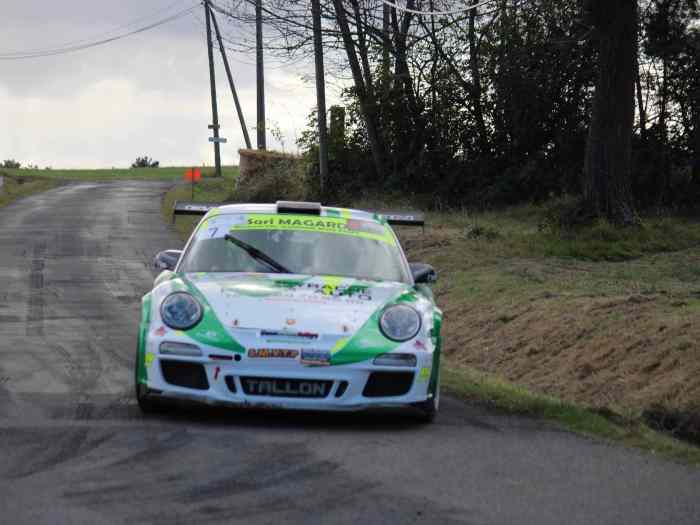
(10, 164)
(607, 171)
(514, 101)
(145, 162)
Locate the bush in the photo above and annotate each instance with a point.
(11, 164)
(145, 162)
(564, 214)
(480, 231)
(269, 177)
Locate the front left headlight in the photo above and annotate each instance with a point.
(181, 311)
(400, 322)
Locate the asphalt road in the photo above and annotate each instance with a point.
(74, 447)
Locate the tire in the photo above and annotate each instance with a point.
(146, 404)
(428, 409)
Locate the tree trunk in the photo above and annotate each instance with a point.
(640, 104)
(607, 171)
(363, 88)
(386, 51)
(476, 82)
(695, 111)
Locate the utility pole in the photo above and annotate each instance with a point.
(320, 94)
(241, 119)
(212, 79)
(261, 74)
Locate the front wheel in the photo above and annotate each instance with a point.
(428, 409)
(146, 404)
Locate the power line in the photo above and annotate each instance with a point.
(437, 13)
(71, 49)
(99, 36)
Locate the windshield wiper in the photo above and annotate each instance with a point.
(257, 254)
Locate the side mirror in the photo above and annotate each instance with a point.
(167, 260)
(423, 273)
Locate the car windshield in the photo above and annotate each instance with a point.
(301, 244)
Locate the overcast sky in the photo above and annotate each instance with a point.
(144, 95)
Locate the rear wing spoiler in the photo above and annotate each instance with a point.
(395, 218)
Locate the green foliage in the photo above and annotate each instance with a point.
(495, 110)
(274, 178)
(10, 164)
(145, 162)
(480, 231)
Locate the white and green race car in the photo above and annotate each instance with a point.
(292, 306)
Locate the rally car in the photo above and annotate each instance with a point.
(292, 306)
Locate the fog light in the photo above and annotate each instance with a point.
(184, 349)
(392, 359)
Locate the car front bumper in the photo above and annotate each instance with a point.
(288, 383)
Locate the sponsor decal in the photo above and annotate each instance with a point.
(216, 373)
(419, 345)
(161, 331)
(150, 357)
(260, 386)
(336, 225)
(312, 357)
(272, 353)
(339, 344)
(291, 322)
(424, 374)
(330, 288)
(285, 334)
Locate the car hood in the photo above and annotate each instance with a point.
(298, 304)
(247, 311)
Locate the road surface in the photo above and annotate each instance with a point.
(74, 447)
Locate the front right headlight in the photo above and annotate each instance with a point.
(400, 322)
(181, 311)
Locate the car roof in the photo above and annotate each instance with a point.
(271, 209)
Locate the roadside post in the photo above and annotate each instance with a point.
(193, 175)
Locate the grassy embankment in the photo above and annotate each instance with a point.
(210, 189)
(594, 330)
(17, 187)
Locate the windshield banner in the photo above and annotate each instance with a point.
(306, 223)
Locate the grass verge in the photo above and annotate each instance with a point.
(495, 393)
(17, 187)
(208, 190)
(165, 173)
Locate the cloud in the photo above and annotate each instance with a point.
(145, 95)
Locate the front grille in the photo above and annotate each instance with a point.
(388, 384)
(185, 374)
(280, 387)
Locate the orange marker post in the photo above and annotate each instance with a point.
(193, 175)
